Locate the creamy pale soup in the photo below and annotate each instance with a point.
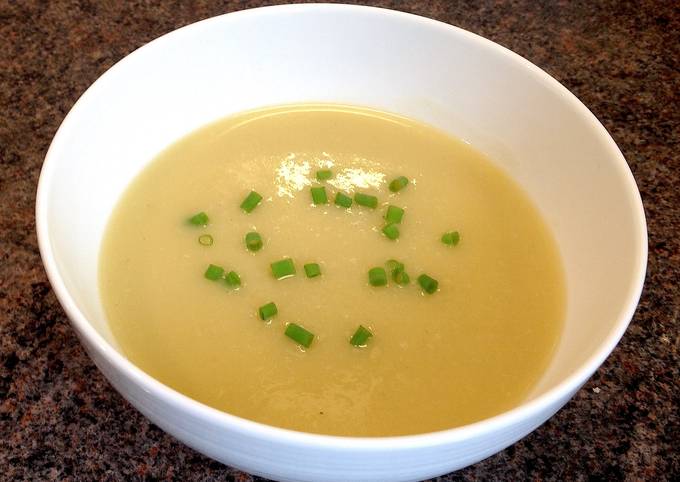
(467, 341)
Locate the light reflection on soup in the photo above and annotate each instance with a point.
(469, 351)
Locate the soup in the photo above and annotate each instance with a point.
(428, 294)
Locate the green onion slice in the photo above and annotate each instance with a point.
(401, 278)
(391, 231)
(214, 272)
(397, 272)
(232, 279)
(324, 174)
(251, 201)
(199, 219)
(393, 265)
(319, 195)
(268, 311)
(343, 200)
(451, 238)
(283, 269)
(300, 335)
(398, 184)
(366, 200)
(428, 284)
(394, 214)
(361, 336)
(312, 270)
(377, 277)
(253, 241)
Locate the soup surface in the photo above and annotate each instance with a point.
(470, 350)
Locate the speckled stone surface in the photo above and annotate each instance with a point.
(59, 418)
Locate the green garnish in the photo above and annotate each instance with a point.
(312, 270)
(324, 174)
(401, 278)
(343, 200)
(283, 269)
(394, 214)
(267, 311)
(360, 337)
(200, 219)
(429, 285)
(377, 277)
(299, 334)
(393, 265)
(251, 201)
(232, 279)
(253, 241)
(398, 184)
(451, 238)
(398, 272)
(214, 272)
(391, 231)
(319, 195)
(205, 240)
(366, 200)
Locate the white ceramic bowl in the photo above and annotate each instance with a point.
(505, 106)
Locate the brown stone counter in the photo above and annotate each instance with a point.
(59, 418)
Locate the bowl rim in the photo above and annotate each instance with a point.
(218, 418)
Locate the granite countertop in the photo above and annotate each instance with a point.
(60, 419)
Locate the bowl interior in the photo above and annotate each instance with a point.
(525, 121)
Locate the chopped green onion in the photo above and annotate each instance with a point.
(360, 337)
(253, 241)
(200, 219)
(319, 195)
(397, 271)
(393, 265)
(324, 174)
(268, 311)
(251, 201)
(214, 272)
(299, 334)
(391, 231)
(232, 279)
(283, 269)
(366, 200)
(377, 277)
(398, 184)
(343, 200)
(451, 238)
(401, 278)
(429, 285)
(394, 214)
(205, 240)
(312, 270)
